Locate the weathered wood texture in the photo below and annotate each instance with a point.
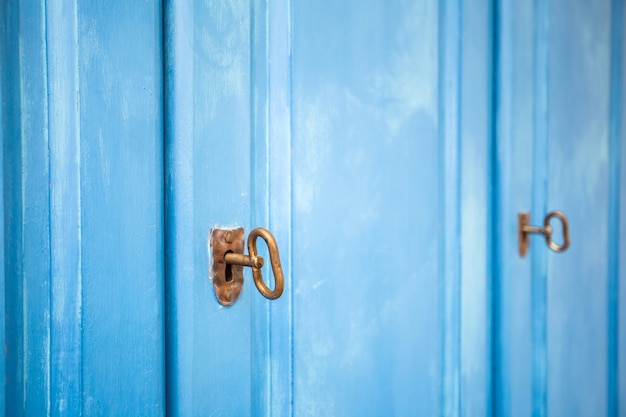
(82, 161)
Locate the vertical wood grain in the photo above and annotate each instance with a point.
(28, 227)
(121, 207)
(4, 130)
(9, 119)
(620, 309)
(613, 286)
(271, 177)
(615, 208)
(65, 210)
(84, 229)
(620, 279)
(260, 67)
(208, 156)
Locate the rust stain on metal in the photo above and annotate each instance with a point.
(227, 279)
(523, 220)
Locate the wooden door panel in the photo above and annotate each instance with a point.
(373, 140)
(578, 182)
(366, 206)
(207, 111)
(82, 162)
(338, 127)
(559, 148)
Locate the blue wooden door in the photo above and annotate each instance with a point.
(559, 341)
(388, 145)
(359, 134)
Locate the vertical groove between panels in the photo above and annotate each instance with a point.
(2, 225)
(179, 135)
(279, 217)
(614, 210)
(540, 171)
(253, 97)
(166, 373)
(493, 218)
(456, 249)
(49, 174)
(443, 393)
(160, 187)
(77, 131)
(267, 198)
(267, 189)
(23, 153)
(292, 396)
(165, 32)
(267, 115)
(259, 202)
(253, 188)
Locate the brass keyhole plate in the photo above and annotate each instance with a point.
(523, 238)
(227, 279)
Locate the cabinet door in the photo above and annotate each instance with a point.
(82, 161)
(359, 135)
(389, 146)
(561, 107)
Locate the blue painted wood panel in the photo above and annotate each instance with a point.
(27, 230)
(208, 183)
(559, 148)
(340, 128)
(388, 145)
(377, 105)
(83, 168)
(577, 157)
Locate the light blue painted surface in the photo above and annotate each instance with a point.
(578, 181)
(476, 216)
(28, 232)
(82, 162)
(122, 207)
(559, 147)
(65, 210)
(367, 269)
(208, 177)
(337, 126)
(388, 145)
(8, 127)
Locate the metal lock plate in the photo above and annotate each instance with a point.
(227, 279)
(523, 238)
